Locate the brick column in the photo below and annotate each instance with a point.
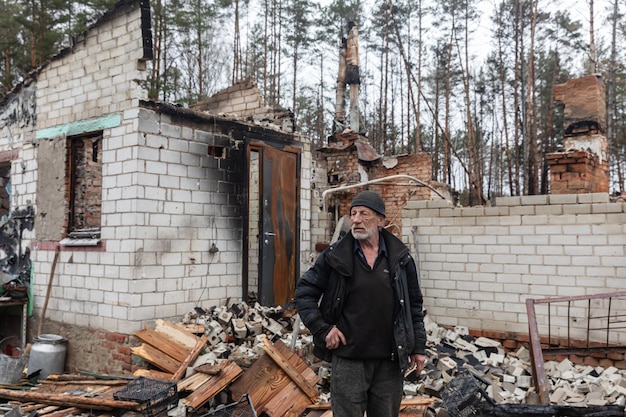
(578, 172)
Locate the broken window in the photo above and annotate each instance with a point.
(85, 187)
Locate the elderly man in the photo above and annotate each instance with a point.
(369, 322)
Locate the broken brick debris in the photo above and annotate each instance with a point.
(217, 355)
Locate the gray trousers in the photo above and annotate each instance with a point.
(373, 385)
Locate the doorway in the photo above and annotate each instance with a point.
(273, 223)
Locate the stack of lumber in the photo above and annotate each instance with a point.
(63, 395)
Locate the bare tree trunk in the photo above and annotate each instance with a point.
(475, 180)
(201, 91)
(447, 164)
(438, 144)
(548, 135)
(294, 84)
(33, 39)
(236, 47)
(384, 98)
(418, 111)
(274, 55)
(530, 184)
(155, 76)
(279, 48)
(265, 49)
(410, 95)
(610, 126)
(517, 78)
(505, 118)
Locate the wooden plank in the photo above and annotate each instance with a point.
(163, 343)
(192, 382)
(265, 380)
(193, 355)
(99, 391)
(47, 409)
(213, 386)
(153, 373)
(295, 376)
(156, 358)
(296, 401)
(261, 381)
(94, 382)
(406, 402)
(67, 400)
(193, 328)
(319, 406)
(176, 333)
(66, 412)
(290, 400)
(413, 411)
(27, 408)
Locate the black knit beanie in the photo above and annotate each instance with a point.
(370, 199)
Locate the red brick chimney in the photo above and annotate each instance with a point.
(582, 166)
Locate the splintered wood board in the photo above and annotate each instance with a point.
(192, 382)
(270, 388)
(176, 333)
(413, 411)
(157, 358)
(153, 374)
(213, 385)
(163, 343)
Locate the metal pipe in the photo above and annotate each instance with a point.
(377, 180)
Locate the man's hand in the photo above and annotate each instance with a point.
(417, 361)
(334, 338)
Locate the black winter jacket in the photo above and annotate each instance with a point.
(326, 280)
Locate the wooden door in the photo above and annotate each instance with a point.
(273, 214)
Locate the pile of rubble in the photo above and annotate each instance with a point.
(509, 374)
(235, 333)
(215, 356)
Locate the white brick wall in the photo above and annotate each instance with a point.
(164, 199)
(479, 265)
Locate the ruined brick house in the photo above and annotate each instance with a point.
(157, 209)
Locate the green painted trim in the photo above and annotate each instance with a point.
(80, 127)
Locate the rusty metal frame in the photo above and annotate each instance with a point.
(616, 322)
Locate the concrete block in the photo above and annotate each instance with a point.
(495, 359)
(240, 330)
(225, 317)
(410, 389)
(524, 381)
(446, 364)
(509, 378)
(486, 342)
(565, 365)
(254, 327)
(272, 326)
(461, 330)
(557, 396)
(451, 335)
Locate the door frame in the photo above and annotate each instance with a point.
(260, 146)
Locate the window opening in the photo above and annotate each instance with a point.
(85, 187)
